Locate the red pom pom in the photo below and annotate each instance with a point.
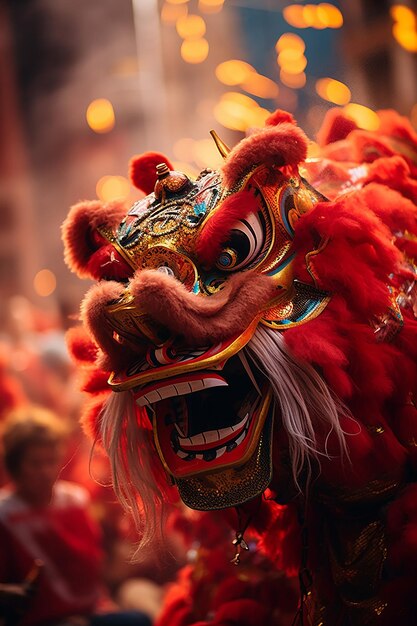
(336, 126)
(142, 170)
(279, 116)
(81, 347)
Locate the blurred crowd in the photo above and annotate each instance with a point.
(66, 544)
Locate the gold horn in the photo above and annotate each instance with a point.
(221, 146)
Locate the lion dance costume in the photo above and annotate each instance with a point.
(257, 328)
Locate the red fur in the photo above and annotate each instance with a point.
(94, 381)
(80, 346)
(90, 416)
(359, 253)
(395, 211)
(216, 232)
(94, 318)
(395, 125)
(142, 170)
(281, 145)
(278, 117)
(335, 127)
(201, 320)
(82, 242)
(395, 173)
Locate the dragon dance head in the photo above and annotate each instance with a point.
(193, 282)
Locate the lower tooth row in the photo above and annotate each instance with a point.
(210, 455)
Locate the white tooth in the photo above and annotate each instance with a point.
(214, 382)
(153, 396)
(182, 454)
(142, 401)
(235, 428)
(197, 385)
(167, 391)
(211, 435)
(220, 452)
(182, 388)
(199, 456)
(225, 432)
(242, 357)
(240, 438)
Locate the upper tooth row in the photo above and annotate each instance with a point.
(179, 389)
(211, 436)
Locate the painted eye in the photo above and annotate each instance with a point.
(246, 241)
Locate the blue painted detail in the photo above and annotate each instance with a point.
(281, 267)
(200, 209)
(225, 260)
(196, 288)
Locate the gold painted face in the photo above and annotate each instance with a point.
(210, 408)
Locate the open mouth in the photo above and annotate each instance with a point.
(207, 420)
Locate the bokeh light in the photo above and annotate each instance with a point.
(290, 41)
(44, 283)
(191, 26)
(233, 72)
(364, 117)
(404, 29)
(170, 13)
(100, 115)
(295, 81)
(323, 15)
(333, 90)
(210, 6)
(176, 1)
(111, 188)
(194, 50)
(260, 86)
(237, 111)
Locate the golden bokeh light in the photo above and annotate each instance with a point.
(100, 115)
(407, 38)
(111, 188)
(176, 1)
(323, 15)
(170, 13)
(184, 166)
(404, 16)
(233, 72)
(194, 50)
(44, 283)
(191, 26)
(210, 6)
(290, 63)
(295, 81)
(363, 116)
(329, 15)
(293, 15)
(240, 99)
(290, 41)
(289, 55)
(333, 91)
(239, 112)
(260, 86)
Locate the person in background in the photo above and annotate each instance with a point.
(51, 556)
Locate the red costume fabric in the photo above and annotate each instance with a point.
(62, 536)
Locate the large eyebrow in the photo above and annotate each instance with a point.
(217, 228)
